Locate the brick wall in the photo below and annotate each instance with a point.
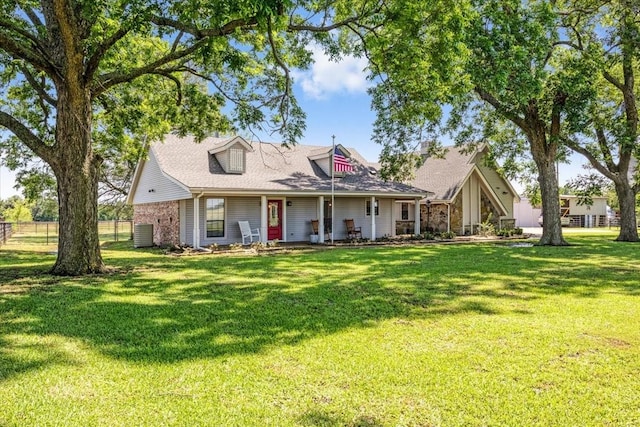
(165, 217)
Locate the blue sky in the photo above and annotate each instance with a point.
(334, 97)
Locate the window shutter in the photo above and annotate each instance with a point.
(236, 160)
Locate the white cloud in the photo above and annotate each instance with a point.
(327, 77)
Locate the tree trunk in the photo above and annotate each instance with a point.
(545, 158)
(627, 199)
(76, 169)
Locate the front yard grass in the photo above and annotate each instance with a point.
(425, 335)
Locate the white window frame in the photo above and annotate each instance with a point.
(367, 208)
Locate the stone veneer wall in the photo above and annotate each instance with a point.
(456, 214)
(165, 217)
(437, 217)
(486, 208)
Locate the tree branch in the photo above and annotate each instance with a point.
(33, 17)
(39, 88)
(500, 108)
(604, 149)
(167, 74)
(198, 33)
(106, 81)
(19, 51)
(94, 61)
(614, 81)
(27, 137)
(586, 153)
(287, 74)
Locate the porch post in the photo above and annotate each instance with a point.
(394, 218)
(373, 218)
(196, 222)
(416, 214)
(263, 219)
(321, 219)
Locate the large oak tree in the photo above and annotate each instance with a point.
(82, 80)
(550, 74)
(602, 39)
(487, 59)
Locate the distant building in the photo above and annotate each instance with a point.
(572, 214)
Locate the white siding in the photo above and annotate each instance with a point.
(325, 165)
(188, 222)
(525, 214)
(153, 186)
(599, 207)
(398, 209)
(299, 216)
(236, 209)
(183, 220)
(223, 158)
(499, 187)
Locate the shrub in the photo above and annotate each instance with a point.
(427, 235)
(447, 235)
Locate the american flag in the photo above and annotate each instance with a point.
(341, 163)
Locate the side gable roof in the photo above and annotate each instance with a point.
(270, 168)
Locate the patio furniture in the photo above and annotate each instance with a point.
(315, 226)
(247, 232)
(353, 232)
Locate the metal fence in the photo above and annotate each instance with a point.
(116, 230)
(5, 232)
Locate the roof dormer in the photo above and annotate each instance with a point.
(232, 155)
(323, 157)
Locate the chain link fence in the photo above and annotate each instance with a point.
(47, 232)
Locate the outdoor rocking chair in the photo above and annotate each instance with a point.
(315, 226)
(247, 232)
(353, 232)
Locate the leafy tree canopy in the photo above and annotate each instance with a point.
(85, 84)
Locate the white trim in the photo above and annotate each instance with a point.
(224, 229)
(264, 216)
(373, 207)
(228, 144)
(320, 211)
(283, 219)
(373, 218)
(416, 220)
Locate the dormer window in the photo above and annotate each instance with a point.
(236, 160)
(232, 155)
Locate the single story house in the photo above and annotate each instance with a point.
(467, 192)
(197, 193)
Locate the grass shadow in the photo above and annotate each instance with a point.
(161, 309)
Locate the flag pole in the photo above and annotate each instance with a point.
(333, 170)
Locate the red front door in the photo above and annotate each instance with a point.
(274, 229)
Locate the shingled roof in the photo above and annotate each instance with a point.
(269, 168)
(445, 176)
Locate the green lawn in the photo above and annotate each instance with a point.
(426, 335)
